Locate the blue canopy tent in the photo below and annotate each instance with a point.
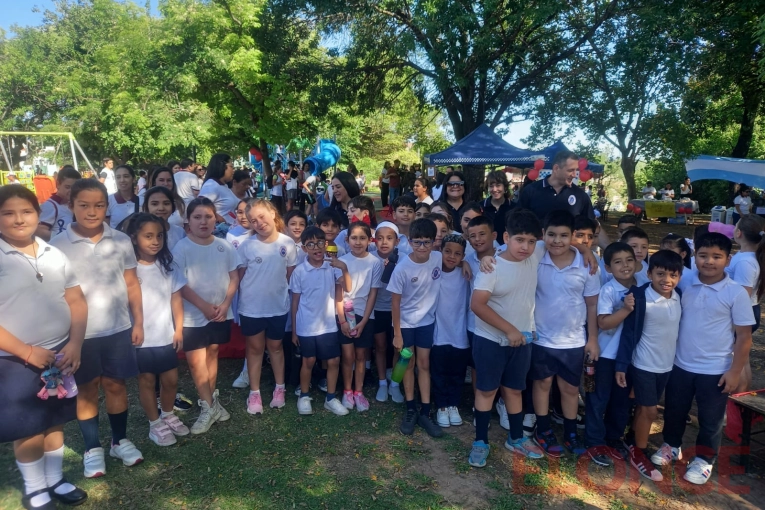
(748, 171)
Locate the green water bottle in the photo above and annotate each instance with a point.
(403, 362)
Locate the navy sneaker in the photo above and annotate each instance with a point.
(549, 443)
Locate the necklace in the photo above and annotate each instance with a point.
(38, 274)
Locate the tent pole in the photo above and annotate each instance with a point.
(83, 154)
(74, 155)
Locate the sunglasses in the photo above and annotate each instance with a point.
(455, 184)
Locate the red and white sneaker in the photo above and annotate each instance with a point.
(644, 466)
(95, 465)
(126, 452)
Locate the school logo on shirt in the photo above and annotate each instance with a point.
(283, 251)
(140, 281)
(571, 200)
(414, 280)
(436, 273)
(220, 249)
(258, 260)
(235, 244)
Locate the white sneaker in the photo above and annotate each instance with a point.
(127, 453)
(243, 381)
(395, 394)
(504, 421)
(454, 417)
(304, 405)
(336, 407)
(529, 424)
(220, 413)
(348, 401)
(442, 418)
(382, 393)
(666, 455)
(161, 434)
(94, 463)
(469, 376)
(205, 420)
(698, 471)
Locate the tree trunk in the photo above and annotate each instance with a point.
(752, 101)
(628, 169)
(474, 177)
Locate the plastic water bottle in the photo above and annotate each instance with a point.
(350, 315)
(401, 365)
(68, 380)
(529, 336)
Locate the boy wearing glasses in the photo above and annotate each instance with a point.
(414, 288)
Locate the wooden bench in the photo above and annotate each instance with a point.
(752, 403)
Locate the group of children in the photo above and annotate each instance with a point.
(524, 317)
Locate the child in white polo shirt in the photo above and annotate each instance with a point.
(638, 241)
(315, 284)
(647, 348)
(55, 215)
(414, 286)
(105, 265)
(712, 349)
(566, 299)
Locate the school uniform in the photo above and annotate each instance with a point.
(264, 301)
(56, 215)
(560, 315)
(156, 355)
(512, 286)
(474, 263)
(648, 341)
(745, 270)
(206, 269)
(223, 198)
(174, 234)
(365, 275)
(100, 268)
(641, 275)
(118, 208)
(704, 353)
(237, 235)
(383, 316)
(176, 220)
(23, 413)
(418, 284)
(686, 279)
(315, 322)
(607, 408)
(451, 349)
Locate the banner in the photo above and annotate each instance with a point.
(659, 209)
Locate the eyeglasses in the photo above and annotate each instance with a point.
(420, 244)
(455, 184)
(313, 245)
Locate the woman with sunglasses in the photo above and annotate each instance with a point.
(456, 194)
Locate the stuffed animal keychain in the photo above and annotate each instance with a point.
(54, 384)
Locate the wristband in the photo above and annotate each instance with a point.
(344, 322)
(31, 350)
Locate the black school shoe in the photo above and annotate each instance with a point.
(408, 423)
(430, 426)
(27, 503)
(72, 498)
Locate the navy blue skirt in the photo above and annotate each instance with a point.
(23, 413)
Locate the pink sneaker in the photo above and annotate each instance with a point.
(362, 404)
(176, 425)
(278, 399)
(254, 403)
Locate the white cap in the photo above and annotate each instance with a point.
(387, 224)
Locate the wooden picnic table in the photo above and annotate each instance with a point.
(752, 403)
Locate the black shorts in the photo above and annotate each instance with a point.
(23, 413)
(498, 365)
(565, 363)
(211, 333)
(383, 323)
(156, 360)
(364, 341)
(324, 346)
(310, 199)
(648, 386)
(420, 337)
(273, 326)
(111, 356)
(292, 194)
(756, 311)
(470, 361)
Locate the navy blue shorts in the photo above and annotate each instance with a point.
(110, 356)
(383, 323)
(565, 363)
(470, 361)
(324, 346)
(648, 386)
(757, 312)
(156, 360)
(421, 337)
(364, 341)
(202, 337)
(273, 326)
(497, 365)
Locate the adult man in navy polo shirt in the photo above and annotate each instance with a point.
(557, 193)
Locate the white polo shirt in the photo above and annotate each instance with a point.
(641, 276)
(206, 269)
(118, 208)
(472, 260)
(35, 312)
(100, 268)
(56, 215)
(745, 270)
(185, 184)
(237, 235)
(707, 326)
(316, 311)
(157, 288)
(655, 352)
(263, 289)
(383, 303)
(451, 310)
(610, 300)
(560, 311)
(419, 286)
(512, 286)
(365, 275)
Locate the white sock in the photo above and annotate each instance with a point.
(279, 386)
(54, 471)
(165, 415)
(383, 382)
(155, 422)
(388, 373)
(33, 474)
(257, 392)
(368, 364)
(393, 384)
(244, 368)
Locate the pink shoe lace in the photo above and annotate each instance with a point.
(278, 399)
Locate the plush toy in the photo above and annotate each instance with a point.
(54, 384)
